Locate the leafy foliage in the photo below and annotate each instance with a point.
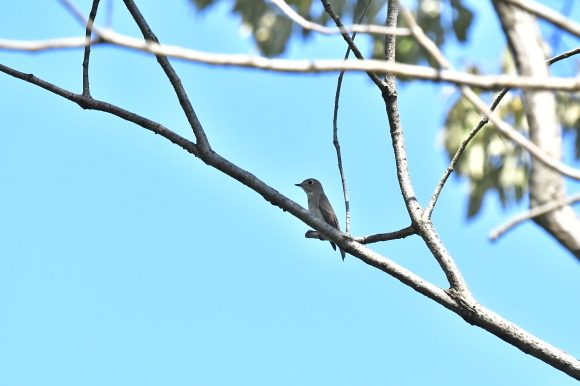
(271, 29)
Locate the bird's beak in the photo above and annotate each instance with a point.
(298, 185)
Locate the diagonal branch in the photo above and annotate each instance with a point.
(400, 234)
(161, 59)
(350, 42)
(184, 101)
(355, 28)
(86, 102)
(459, 153)
(536, 211)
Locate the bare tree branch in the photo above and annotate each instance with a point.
(92, 104)
(184, 101)
(305, 66)
(536, 211)
(338, 153)
(49, 44)
(400, 234)
(459, 153)
(335, 129)
(564, 55)
(508, 130)
(88, 33)
(423, 39)
(350, 42)
(355, 28)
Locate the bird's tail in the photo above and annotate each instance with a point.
(341, 251)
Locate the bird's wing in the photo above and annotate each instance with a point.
(329, 217)
(328, 212)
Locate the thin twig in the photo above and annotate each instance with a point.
(565, 55)
(335, 126)
(350, 42)
(184, 101)
(151, 39)
(338, 153)
(88, 33)
(534, 212)
(93, 104)
(459, 153)
(400, 234)
(356, 28)
(519, 138)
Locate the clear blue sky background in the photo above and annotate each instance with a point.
(126, 261)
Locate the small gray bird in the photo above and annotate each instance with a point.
(319, 205)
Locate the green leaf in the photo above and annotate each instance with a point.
(202, 5)
(462, 19)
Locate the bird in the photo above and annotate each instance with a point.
(319, 205)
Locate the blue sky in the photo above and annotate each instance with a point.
(126, 261)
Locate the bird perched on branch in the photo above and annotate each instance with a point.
(319, 206)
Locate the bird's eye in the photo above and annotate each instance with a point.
(309, 182)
